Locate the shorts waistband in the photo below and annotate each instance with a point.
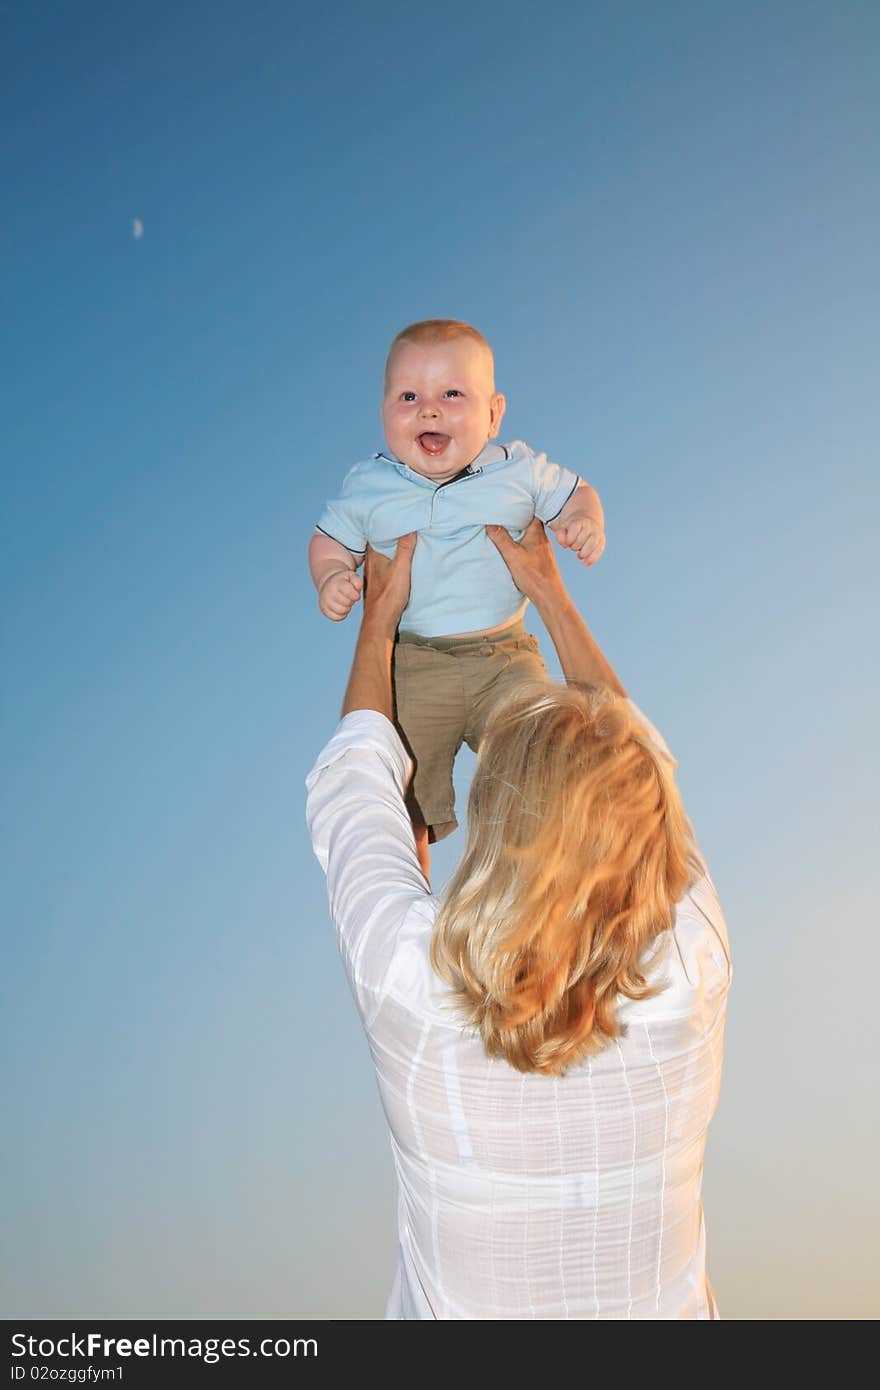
(512, 633)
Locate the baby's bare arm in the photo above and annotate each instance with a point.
(334, 575)
(326, 557)
(580, 526)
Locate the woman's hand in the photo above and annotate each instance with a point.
(531, 561)
(386, 593)
(386, 583)
(533, 566)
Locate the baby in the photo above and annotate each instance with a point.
(462, 643)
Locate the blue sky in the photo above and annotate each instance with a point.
(664, 216)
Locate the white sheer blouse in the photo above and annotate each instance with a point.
(520, 1196)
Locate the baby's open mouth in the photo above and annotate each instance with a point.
(433, 443)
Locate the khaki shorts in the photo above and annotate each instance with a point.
(444, 690)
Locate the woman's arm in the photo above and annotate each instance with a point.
(361, 831)
(533, 567)
(386, 594)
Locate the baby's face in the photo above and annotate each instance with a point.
(440, 407)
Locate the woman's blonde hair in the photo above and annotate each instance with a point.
(577, 851)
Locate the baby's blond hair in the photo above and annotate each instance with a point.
(439, 331)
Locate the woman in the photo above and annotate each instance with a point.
(549, 1080)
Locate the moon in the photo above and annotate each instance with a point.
(137, 228)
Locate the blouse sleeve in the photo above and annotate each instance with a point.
(363, 839)
(652, 731)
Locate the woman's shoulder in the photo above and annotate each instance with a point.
(651, 730)
(701, 929)
(397, 990)
(692, 963)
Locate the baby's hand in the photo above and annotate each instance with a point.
(586, 537)
(339, 593)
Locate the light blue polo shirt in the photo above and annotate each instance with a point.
(459, 581)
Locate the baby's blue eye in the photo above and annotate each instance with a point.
(452, 392)
(408, 396)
